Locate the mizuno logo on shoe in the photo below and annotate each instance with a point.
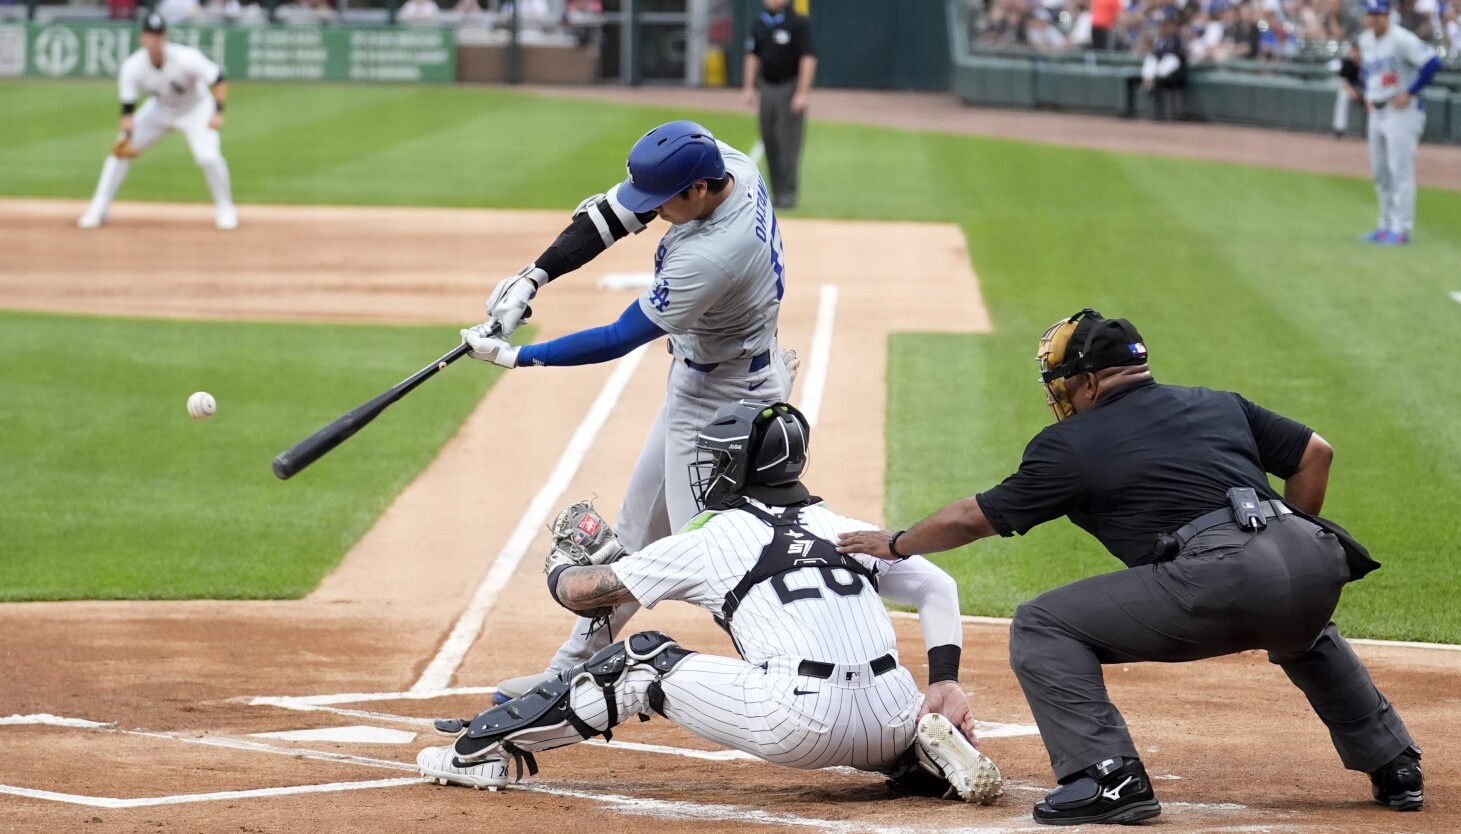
(1115, 793)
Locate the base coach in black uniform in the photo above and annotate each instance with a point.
(781, 62)
(1172, 481)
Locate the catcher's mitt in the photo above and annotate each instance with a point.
(582, 537)
(122, 148)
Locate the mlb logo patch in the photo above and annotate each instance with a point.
(589, 525)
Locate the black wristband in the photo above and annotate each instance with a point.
(218, 104)
(129, 107)
(553, 583)
(893, 546)
(943, 663)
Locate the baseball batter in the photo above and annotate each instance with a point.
(177, 80)
(818, 683)
(719, 275)
(1397, 66)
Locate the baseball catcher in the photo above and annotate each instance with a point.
(818, 683)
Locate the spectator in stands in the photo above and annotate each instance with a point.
(1245, 33)
(1275, 40)
(1103, 23)
(418, 11)
(1041, 34)
(468, 11)
(1079, 36)
(1163, 70)
(535, 11)
(1453, 27)
(177, 11)
(1206, 30)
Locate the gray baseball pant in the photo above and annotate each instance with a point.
(1394, 139)
(1228, 591)
(781, 133)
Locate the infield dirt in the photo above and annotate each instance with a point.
(1232, 745)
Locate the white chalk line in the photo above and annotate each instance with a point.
(182, 799)
(1456, 297)
(815, 384)
(53, 720)
(758, 153)
(439, 672)
(288, 701)
(1358, 641)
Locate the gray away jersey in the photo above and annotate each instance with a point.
(1391, 63)
(718, 282)
(802, 615)
(180, 83)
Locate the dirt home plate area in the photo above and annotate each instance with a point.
(165, 716)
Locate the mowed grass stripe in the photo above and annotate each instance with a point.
(113, 492)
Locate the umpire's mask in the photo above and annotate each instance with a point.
(754, 449)
(1084, 342)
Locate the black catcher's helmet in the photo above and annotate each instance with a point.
(751, 448)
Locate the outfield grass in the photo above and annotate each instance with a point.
(111, 491)
(1239, 277)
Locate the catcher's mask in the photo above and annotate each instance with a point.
(751, 448)
(1082, 343)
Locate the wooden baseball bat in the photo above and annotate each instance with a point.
(290, 461)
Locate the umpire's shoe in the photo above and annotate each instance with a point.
(1114, 791)
(1400, 784)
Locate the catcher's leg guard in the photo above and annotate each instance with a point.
(552, 714)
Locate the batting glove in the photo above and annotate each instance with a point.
(508, 304)
(488, 346)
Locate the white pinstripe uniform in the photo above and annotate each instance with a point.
(761, 704)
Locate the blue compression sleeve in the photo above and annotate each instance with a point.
(598, 344)
(1427, 73)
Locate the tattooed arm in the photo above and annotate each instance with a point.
(586, 587)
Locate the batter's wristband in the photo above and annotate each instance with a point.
(893, 546)
(218, 104)
(943, 663)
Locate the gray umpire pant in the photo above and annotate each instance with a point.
(781, 133)
(1228, 591)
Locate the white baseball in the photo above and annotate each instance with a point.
(201, 405)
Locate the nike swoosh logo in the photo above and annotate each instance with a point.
(803, 691)
(757, 385)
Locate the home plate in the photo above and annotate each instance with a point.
(626, 280)
(350, 735)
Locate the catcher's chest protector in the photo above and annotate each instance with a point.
(794, 547)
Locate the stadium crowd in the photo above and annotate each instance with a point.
(1211, 30)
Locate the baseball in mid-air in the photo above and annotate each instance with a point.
(202, 405)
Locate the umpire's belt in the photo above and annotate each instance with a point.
(825, 671)
(1203, 523)
(758, 362)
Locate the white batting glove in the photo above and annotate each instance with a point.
(508, 304)
(488, 346)
(792, 362)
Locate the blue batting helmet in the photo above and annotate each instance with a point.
(666, 161)
(1377, 6)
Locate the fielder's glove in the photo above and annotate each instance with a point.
(122, 148)
(488, 346)
(508, 304)
(582, 537)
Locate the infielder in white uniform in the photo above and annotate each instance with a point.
(1397, 66)
(719, 275)
(818, 683)
(177, 80)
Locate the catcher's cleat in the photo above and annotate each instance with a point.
(1400, 784)
(1116, 791)
(944, 751)
(440, 765)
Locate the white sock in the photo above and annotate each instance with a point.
(215, 171)
(113, 172)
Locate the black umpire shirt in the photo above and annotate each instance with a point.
(780, 40)
(1147, 459)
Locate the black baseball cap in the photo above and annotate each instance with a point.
(154, 23)
(1100, 343)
